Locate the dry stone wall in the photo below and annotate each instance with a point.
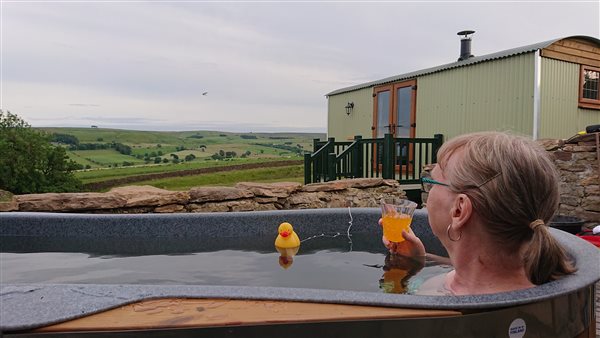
(246, 196)
(577, 160)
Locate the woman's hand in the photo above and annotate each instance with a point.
(411, 246)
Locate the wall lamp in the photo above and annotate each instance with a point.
(349, 108)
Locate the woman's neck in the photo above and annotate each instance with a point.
(478, 270)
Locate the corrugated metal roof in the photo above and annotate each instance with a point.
(467, 62)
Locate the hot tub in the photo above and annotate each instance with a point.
(563, 308)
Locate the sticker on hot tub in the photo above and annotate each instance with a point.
(517, 328)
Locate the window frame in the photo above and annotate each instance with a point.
(584, 102)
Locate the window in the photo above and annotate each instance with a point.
(589, 92)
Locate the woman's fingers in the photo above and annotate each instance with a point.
(417, 247)
(409, 236)
(411, 246)
(389, 245)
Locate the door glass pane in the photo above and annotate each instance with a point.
(403, 96)
(383, 113)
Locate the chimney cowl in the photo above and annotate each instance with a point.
(465, 44)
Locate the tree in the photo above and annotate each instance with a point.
(65, 139)
(29, 162)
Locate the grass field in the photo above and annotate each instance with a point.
(230, 178)
(148, 147)
(101, 158)
(99, 175)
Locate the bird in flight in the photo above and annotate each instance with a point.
(204, 93)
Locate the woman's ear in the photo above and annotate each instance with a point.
(462, 210)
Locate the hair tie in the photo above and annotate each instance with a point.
(535, 224)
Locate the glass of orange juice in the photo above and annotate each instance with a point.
(396, 215)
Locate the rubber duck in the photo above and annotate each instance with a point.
(287, 238)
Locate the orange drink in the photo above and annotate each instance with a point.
(396, 216)
(393, 225)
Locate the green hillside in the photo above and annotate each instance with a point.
(125, 153)
(91, 135)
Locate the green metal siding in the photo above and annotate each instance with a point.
(560, 115)
(359, 122)
(495, 95)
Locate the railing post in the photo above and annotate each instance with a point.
(315, 141)
(307, 169)
(357, 159)
(331, 142)
(329, 175)
(388, 156)
(438, 139)
(331, 172)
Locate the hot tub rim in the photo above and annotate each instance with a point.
(583, 252)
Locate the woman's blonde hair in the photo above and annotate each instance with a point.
(513, 186)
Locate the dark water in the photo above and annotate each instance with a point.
(321, 263)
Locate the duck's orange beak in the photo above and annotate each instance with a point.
(284, 233)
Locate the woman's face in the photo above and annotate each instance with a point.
(439, 202)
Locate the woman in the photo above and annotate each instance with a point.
(491, 196)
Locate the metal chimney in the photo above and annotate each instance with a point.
(465, 45)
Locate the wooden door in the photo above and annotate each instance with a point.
(394, 112)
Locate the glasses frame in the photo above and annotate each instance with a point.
(427, 183)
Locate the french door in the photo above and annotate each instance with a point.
(394, 109)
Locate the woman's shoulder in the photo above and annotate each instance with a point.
(434, 286)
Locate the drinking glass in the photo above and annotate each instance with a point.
(396, 215)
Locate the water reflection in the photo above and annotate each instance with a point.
(397, 272)
(286, 257)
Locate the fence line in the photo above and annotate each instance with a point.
(388, 157)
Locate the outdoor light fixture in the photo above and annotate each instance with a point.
(349, 107)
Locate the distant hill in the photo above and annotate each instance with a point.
(134, 137)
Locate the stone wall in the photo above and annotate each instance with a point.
(577, 160)
(247, 196)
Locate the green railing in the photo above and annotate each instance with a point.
(391, 158)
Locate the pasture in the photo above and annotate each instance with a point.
(149, 152)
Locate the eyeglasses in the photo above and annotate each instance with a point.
(427, 183)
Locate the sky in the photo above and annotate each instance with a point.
(241, 66)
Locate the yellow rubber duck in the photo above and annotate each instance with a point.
(287, 238)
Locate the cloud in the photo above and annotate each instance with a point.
(84, 105)
(265, 65)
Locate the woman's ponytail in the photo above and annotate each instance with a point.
(545, 260)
